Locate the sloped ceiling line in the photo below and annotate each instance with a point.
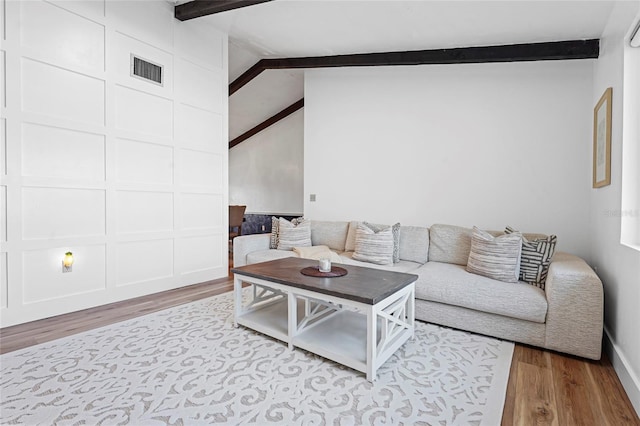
(268, 122)
(548, 51)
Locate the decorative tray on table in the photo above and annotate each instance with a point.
(314, 271)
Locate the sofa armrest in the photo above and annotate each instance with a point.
(575, 307)
(245, 244)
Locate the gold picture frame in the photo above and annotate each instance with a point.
(602, 140)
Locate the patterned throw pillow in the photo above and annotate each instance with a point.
(535, 258)
(395, 231)
(374, 246)
(275, 225)
(292, 235)
(495, 257)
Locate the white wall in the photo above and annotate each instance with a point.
(618, 265)
(266, 170)
(129, 176)
(483, 144)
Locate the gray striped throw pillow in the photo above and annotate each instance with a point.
(395, 230)
(374, 246)
(495, 257)
(290, 235)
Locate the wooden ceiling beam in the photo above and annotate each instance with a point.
(198, 8)
(549, 51)
(268, 122)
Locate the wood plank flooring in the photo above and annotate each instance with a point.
(33, 333)
(549, 388)
(545, 388)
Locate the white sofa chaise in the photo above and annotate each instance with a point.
(567, 316)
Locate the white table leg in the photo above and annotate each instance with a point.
(237, 294)
(292, 317)
(411, 310)
(372, 323)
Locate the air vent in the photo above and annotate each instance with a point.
(143, 69)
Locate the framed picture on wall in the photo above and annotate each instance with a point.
(602, 141)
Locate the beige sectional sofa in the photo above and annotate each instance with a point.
(567, 316)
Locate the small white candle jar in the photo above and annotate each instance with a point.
(324, 265)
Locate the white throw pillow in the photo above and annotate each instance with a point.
(275, 227)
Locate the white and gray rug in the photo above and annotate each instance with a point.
(189, 365)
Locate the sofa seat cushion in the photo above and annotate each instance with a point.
(453, 285)
(269, 254)
(401, 266)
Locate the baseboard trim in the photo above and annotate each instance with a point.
(629, 380)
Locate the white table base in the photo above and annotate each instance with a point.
(354, 334)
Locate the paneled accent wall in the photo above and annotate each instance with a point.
(129, 175)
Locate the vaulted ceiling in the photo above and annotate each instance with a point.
(297, 28)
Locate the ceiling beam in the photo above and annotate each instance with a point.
(550, 51)
(268, 122)
(198, 8)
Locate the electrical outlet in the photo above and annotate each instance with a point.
(312, 197)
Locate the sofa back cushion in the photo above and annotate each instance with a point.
(528, 236)
(414, 244)
(449, 244)
(350, 244)
(328, 233)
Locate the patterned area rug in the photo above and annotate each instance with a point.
(190, 365)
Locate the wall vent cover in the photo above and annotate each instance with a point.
(146, 70)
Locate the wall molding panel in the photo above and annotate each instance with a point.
(56, 92)
(46, 153)
(3, 213)
(3, 71)
(144, 113)
(73, 41)
(143, 162)
(129, 175)
(43, 281)
(51, 213)
(3, 146)
(135, 269)
(2, 20)
(3, 280)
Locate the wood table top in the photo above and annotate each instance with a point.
(365, 285)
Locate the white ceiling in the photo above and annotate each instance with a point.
(263, 97)
(287, 28)
(294, 28)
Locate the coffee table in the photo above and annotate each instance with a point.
(358, 320)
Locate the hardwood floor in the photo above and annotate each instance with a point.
(545, 388)
(548, 388)
(33, 333)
